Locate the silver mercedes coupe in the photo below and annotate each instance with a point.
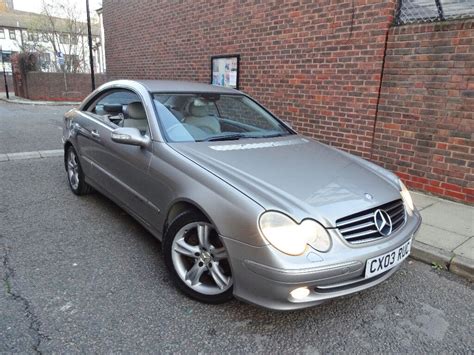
(243, 205)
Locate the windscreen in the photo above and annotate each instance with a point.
(214, 117)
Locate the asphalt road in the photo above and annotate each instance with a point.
(80, 275)
(25, 128)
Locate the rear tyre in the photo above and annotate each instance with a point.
(197, 259)
(75, 175)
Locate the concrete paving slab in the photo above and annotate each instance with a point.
(23, 155)
(422, 201)
(450, 216)
(466, 249)
(439, 238)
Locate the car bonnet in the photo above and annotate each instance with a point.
(296, 175)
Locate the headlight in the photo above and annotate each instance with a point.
(406, 197)
(292, 238)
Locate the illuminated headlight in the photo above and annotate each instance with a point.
(406, 197)
(292, 238)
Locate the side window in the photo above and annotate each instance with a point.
(113, 103)
(122, 108)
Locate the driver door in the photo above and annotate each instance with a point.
(120, 169)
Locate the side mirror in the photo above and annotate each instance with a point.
(130, 136)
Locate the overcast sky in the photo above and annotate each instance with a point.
(35, 5)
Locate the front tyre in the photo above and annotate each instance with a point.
(75, 174)
(197, 259)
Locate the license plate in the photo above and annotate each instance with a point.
(385, 262)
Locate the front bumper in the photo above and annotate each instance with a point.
(265, 277)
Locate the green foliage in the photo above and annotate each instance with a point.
(438, 266)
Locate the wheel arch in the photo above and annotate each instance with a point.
(184, 205)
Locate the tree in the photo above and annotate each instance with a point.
(59, 30)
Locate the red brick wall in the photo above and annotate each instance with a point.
(52, 87)
(425, 128)
(317, 64)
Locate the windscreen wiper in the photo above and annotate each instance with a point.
(236, 136)
(227, 137)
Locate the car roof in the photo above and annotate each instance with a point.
(176, 86)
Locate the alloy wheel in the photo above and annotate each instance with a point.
(73, 170)
(200, 259)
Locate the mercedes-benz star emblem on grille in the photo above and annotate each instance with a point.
(383, 222)
(368, 196)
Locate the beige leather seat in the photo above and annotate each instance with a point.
(198, 115)
(136, 116)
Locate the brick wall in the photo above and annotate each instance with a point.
(317, 64)
(425, 128)
(314, 63)
(53, 86)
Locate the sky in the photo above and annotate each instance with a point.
(35, 5)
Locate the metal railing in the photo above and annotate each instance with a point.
(415, 11)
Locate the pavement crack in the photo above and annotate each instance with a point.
(34, 322)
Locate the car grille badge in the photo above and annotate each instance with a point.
(383, 222)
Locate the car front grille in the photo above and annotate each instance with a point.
(360, 227)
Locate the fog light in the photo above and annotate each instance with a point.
(299, 293)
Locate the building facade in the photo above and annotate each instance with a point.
(21, 31)
(339, 71)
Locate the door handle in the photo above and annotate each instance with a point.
(95, 134)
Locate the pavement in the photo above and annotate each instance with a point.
(12, 99)
(81, 275)
(446, 237)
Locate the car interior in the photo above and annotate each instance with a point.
(198, 116)
(123, 109)
(185, 117)
(198, 113)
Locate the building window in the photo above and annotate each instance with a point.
(33, 36)
(64, 39)
(6, 57)
(45, 60)
(12, 33)
(45, 57)
(2, 33)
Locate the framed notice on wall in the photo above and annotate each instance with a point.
(225, 70)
